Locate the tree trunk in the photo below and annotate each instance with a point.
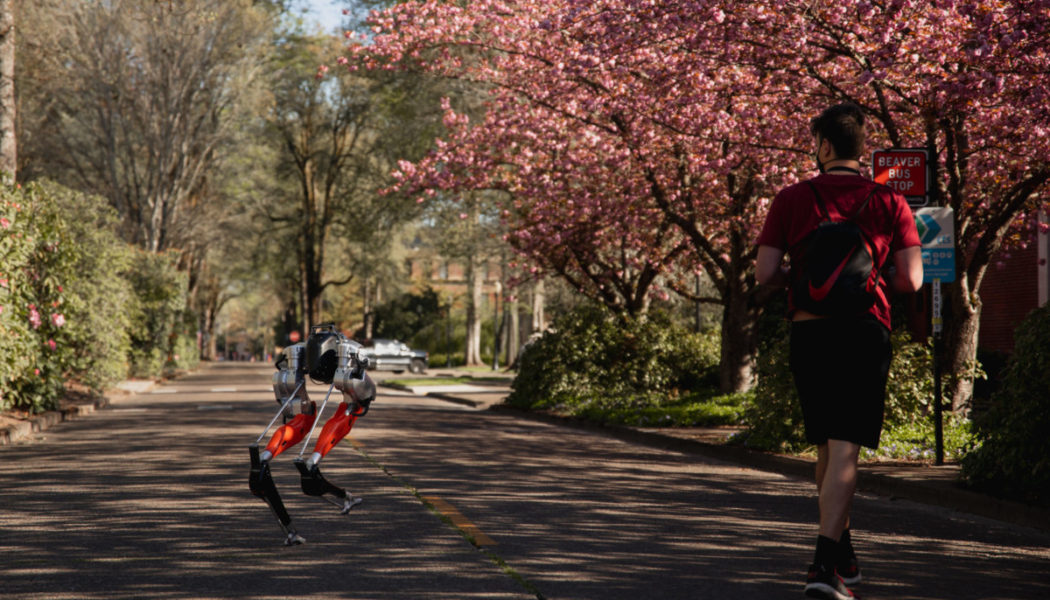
(959, 352)
(207, 348)
(368, 318)
(8, 147)
(304, 302)
(739, 341)
(513, 330)
(538, 301)
(497, 325)
(474, 299)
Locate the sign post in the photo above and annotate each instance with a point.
(936, 226)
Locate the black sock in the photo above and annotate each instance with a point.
(846, 545)
(827, 553)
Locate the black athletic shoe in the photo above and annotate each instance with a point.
(849, 571)
(847, 566)
(825, 584)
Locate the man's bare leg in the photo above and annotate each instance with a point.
(836, 482)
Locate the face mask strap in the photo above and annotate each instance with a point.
(816, 155)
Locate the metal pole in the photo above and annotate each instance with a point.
(938, 416)
(496, 326)
(448, 335)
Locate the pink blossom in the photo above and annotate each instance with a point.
(34, 317)
(51, 344)
(36, 371)
(58, 319)
(648, 119)
(5, 223)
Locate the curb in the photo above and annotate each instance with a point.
(37, 423)
(455, 399)
(438, 395)
(942, 493)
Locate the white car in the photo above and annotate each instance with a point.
(392, 355)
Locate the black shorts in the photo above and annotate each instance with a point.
(840, 368)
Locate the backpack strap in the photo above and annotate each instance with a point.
(824, 209)
(820, 202)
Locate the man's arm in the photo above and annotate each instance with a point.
(769, 269)
(907, 278)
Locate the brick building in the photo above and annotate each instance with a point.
(1011, 289)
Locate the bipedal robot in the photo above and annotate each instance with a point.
(329, 357)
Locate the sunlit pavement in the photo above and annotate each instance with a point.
(148, 498)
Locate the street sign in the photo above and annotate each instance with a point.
(936, 227)
(905, 170)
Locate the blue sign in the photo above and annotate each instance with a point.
(936, 227)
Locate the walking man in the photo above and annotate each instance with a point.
(839, 350)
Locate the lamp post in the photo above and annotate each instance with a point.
(448, 333)
(496, 326)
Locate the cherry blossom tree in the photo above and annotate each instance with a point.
(619, 167)
(675, 122)
(970, 80)
(569, 207)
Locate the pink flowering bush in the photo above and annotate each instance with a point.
(54, 328)
(89, 319)
(16, 332)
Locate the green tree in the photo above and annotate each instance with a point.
(141, 109)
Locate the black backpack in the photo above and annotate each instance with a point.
(837, 275)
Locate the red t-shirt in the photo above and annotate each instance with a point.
(887, 221)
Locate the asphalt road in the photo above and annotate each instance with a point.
(149, 499)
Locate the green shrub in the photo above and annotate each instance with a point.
(1013, 459)
(96, 295)
(73, 297)
(406, 315)
(598, 364)
(915, 440)
(155, 311)
(774, 417)
(18, 340)
(37, 253)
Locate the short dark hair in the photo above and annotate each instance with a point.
(843, 126)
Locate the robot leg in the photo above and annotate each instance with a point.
(288, 435)
(261, 484)
(260, 481)
(313, 482)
